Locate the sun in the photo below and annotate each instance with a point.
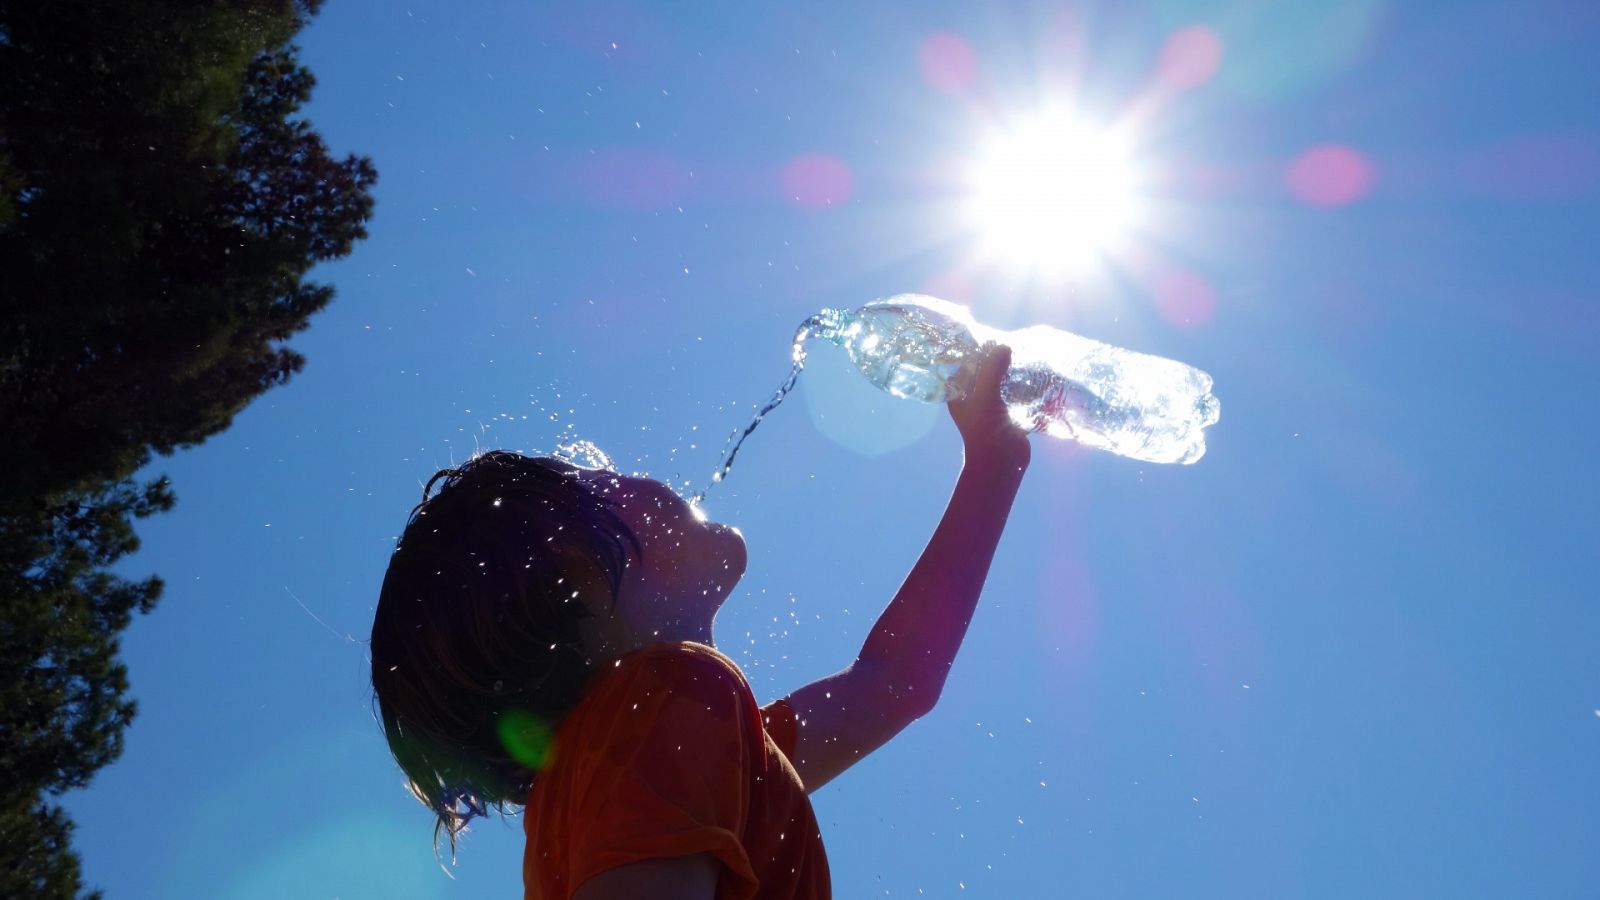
(1052, 195)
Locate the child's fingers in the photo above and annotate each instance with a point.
(996, 362)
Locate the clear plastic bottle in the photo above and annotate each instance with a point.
(1132, 404)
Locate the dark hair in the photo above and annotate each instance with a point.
(476, 653)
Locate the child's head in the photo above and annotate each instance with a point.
(477, 649)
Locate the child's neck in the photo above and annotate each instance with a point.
(611, 638)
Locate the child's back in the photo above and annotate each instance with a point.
(677, 760)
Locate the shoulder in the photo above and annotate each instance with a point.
(669, 705)
(683, 667)
(680, 684)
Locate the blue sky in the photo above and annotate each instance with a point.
(1351, 652)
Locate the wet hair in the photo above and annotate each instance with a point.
(476, 652)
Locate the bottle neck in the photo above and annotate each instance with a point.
(829, 325)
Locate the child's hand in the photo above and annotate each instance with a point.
(986, 428)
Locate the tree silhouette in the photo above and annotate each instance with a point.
(161, 203)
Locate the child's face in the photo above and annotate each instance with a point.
(688, 564)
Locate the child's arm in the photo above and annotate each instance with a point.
(901, 668)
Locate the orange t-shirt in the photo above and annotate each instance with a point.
(668, 755)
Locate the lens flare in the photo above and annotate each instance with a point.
(1330, 175)
(525, 737)
(947, 62)
(817, 180)
(1190, 57)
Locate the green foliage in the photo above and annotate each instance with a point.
(36, 858)
(160, 206)
(63, 715)
(170, 206)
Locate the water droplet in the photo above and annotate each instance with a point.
(586, 454)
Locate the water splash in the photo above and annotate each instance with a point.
(810, 328)
(585, 454)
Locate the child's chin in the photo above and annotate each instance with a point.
(732, 553)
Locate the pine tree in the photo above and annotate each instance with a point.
(161, 202)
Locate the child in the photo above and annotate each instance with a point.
(543, 639)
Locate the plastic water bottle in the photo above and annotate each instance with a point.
(1132, 404)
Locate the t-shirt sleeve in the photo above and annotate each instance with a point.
(672, 773)
(780, 721)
